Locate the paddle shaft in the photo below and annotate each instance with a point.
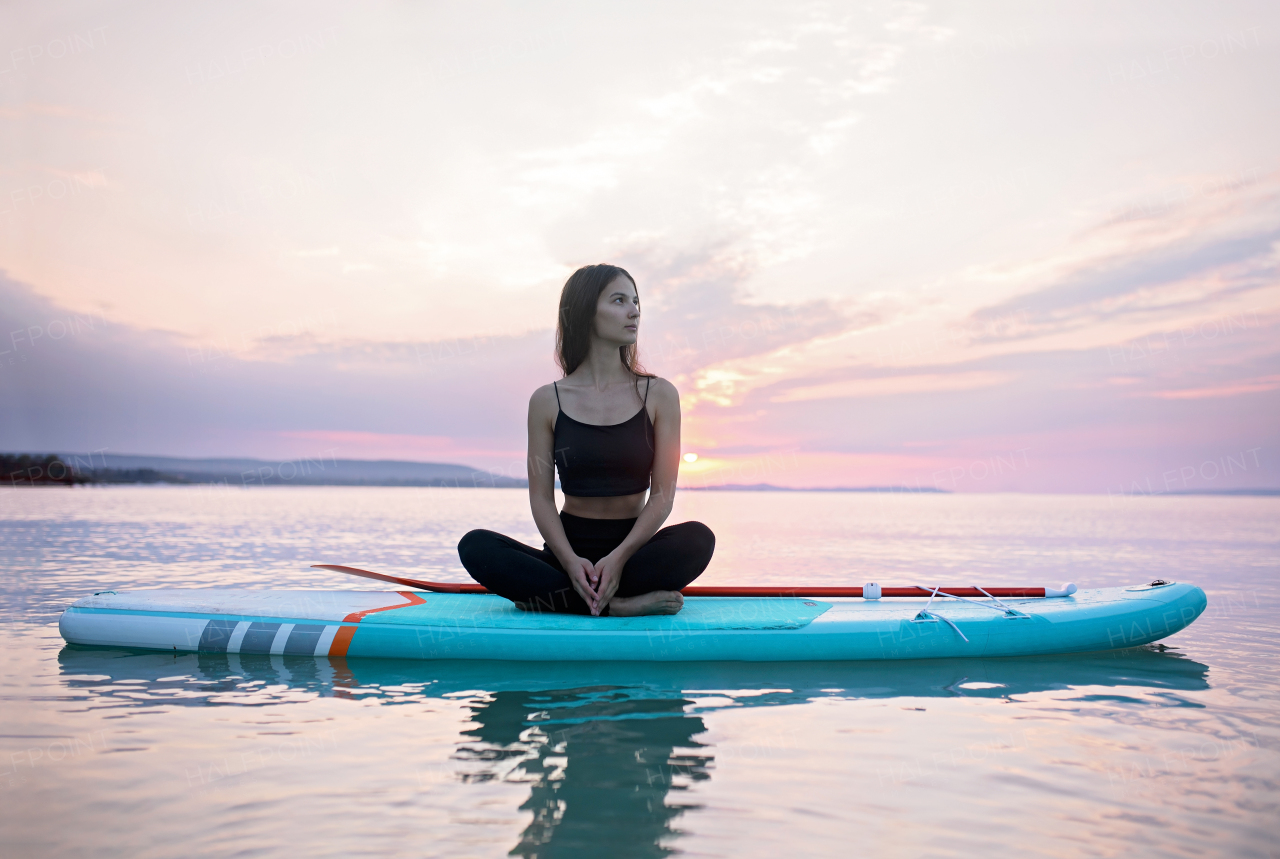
(711, 591)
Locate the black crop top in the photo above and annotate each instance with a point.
(600, 461)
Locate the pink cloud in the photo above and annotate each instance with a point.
(1252, 386)
(883, 386)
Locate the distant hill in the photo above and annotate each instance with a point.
(39, 470)
(324, 471)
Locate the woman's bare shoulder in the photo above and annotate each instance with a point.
(663, 392)
(543, 400)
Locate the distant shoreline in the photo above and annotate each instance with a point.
(99, 468)
(103, 469)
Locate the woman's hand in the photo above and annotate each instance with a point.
(580, 572)
(606, 575)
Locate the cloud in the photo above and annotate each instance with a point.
(1149, 282)
(696, 304)
(296, 388)
(921, 383)
(1182, 259)
(703, 330)
(1246, 386)
(96, 383)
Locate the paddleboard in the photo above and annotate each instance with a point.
(422, 625)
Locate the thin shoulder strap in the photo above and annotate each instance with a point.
(647, 380)
(553, 384)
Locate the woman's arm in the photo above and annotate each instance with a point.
(662, 491)
(542, 494)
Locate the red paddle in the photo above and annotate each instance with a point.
(728, 591)
(438, 587)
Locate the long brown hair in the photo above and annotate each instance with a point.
(578, 313)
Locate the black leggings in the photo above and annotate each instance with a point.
(534, 579)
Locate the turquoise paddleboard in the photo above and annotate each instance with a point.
(422, 625)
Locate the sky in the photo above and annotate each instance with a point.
(965, 246)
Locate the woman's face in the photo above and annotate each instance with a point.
(618, 312)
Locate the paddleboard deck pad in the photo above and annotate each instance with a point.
(422, 625)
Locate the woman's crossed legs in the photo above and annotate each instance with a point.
(534, 580)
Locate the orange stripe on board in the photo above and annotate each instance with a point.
(342, 640)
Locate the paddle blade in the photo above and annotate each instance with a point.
(437, 587)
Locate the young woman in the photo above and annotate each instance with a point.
(603, 554)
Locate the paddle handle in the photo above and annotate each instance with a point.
(728, 591)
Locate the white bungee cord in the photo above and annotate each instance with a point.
(925, 614)
(999, 606)
(1006, 610)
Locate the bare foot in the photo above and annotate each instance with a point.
(654, 602)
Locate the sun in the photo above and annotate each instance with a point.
(690, 457)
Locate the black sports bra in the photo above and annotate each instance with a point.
(600, 461)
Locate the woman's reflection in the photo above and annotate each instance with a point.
(601, 762)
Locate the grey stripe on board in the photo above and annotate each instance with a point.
(303, 639)
(259, 637)
(216, 636)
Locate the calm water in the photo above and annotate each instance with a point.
(1149, 752)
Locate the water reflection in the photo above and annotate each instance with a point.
(599, 763)
(608, 751)
(222, 679)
